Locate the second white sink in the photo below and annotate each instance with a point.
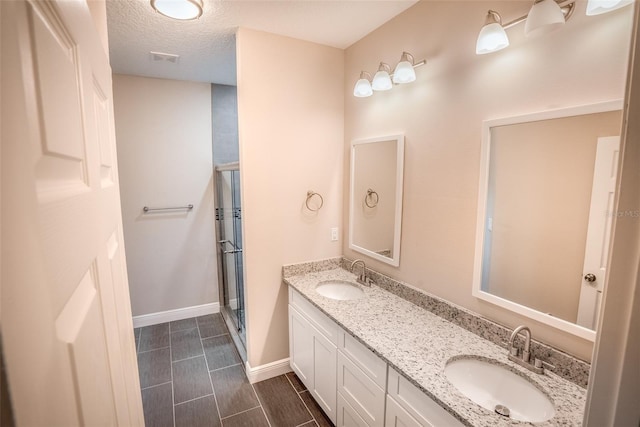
(339, 290)
(494, 387)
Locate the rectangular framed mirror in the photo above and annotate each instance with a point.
(375, 200)
(545, 209)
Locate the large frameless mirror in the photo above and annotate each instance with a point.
(375, 208)
(545, 211)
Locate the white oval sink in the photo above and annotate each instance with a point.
(490, 385)
(340, 290)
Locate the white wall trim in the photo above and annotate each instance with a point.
(268, 370)
(177, 314)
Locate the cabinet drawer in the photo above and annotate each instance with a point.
(417, 404)
(364, 395)
(397, 416)
(347, 416)
(318, 319)
(364, 358)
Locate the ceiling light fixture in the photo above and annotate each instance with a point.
(384, 80)
(183, 10)
(598, 7)
(492, 36)
(544, 16)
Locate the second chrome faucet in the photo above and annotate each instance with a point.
(362, 279)
(525, 359)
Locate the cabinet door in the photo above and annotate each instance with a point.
(324, 374)
(398, 417)
(347, 416)
(360, 391)
(301, 347)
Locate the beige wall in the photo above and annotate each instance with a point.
(290, 115)
(163, 134)
(441, 116)
(541, 175)
(375, 169)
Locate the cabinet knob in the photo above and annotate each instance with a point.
(590, 277)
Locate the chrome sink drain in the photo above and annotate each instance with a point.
(502, 410)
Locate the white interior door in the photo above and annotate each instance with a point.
(66, 317)
(599, 230)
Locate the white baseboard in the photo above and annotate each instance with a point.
(177, 314)
(269, 370)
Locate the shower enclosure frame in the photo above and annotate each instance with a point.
(226, 247)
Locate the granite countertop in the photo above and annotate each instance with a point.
(418, 345)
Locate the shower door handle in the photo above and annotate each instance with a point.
(235, 249)
(222, 242)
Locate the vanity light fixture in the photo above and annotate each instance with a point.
(492, 36)
(183, 10)
(404, 72)
(598, 7)
(544, 16)
(384, 80)
(363, 86)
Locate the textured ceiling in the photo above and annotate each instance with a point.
(207, 46)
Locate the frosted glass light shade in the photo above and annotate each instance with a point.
(545, 16)
(363, 88)
(597, 7)
(492, 38)
(178, 9)
(382, 80)
(404, 72)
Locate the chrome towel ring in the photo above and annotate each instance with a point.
(370, 196)
(310, 195)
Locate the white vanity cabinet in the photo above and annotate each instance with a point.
(313, 351)
(408, 406)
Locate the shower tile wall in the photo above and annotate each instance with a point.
(224, 110)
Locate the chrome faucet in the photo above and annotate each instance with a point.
(513, 351)
(525, 359)
(362, 279)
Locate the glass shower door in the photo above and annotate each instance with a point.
(229, 221)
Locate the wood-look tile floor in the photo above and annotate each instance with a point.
(191, 375)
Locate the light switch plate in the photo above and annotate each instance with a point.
(334, 234)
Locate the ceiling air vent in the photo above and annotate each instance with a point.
(164, 57)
